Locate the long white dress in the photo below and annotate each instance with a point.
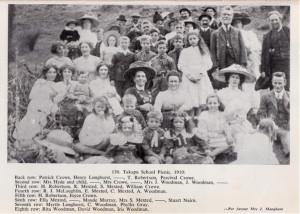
(193, 63)
(87, 64)
(96, 129)
(253, 47)
(101, 87)
(255, 149)
(40, 106)
(87, 36)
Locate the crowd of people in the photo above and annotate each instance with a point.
(174, 90)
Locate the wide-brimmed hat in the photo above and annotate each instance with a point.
(204, 15)
(209, 7)
(58, 140)
(139, 66)
(234, 69)
(157, 17)
(111, 33)
(71, 21)
(185, 9)
(167, 23)
(195, 25)
(243, 16)
(263, 83)
(165, 14)
(122, 18)
(135, 15)
(95, 22)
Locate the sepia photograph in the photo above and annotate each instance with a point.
(149, 84)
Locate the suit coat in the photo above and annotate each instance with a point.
(268, 105)
(265, 56)
(218, 47)
(120, 63)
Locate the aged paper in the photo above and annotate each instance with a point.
(148, 188)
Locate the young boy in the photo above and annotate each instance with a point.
(178, 46)
(146, 54)
(129, 106)
(162, 63)
(81, 92)
(153, 142)
(154, 33)
(119, 64)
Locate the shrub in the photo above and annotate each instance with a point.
(28, 40)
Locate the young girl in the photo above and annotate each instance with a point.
(102, 87)
(111, 42)
(213, 128)
(96, 129)
(125, 144)
(258, 149)
(181, 143)
(194, 61)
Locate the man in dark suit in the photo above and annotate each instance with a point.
(227, 46)
(120, 63)
(276, 48)
(205, 29)
(276, 105)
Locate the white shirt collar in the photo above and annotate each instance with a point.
(204, 29)
(224, 27)
(141, 88)
(124, 52)
(279, 95)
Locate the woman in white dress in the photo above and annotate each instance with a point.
(253, 47)
(236, 102)
(102, 87)
(41, 105)
(87, 22)
(87, 62)
(194, 61)
(58, 60)
(174, 99)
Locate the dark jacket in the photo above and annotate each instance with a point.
(266, 46)
(119, 64)
(69, 35)
(218, 47)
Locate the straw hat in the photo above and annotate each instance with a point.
(58, 140)
(234, 69)
(71, 21)
(135, 15)
(111, 33)
(167, 23)
(139, 66)
(95, 22)
(195, 25)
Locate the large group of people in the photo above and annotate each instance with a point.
(174, 90)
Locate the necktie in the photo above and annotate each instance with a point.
(154, 141)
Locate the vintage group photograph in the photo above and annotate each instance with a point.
(148, 84)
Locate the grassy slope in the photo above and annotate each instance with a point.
(50, 19)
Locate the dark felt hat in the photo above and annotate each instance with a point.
(139, 66)
(209, 7)
(204, 15)
(122, 18)
(157, 17)
(263, 83)
(244, 17)
(185, 9)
